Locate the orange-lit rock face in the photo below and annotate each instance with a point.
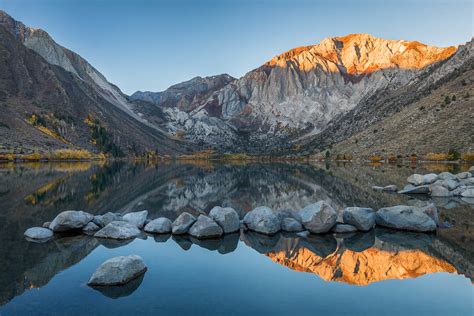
(362, 54)
(362, 268)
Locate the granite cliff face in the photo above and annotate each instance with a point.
(298, 93)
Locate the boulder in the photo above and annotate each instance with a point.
(344, 228)
(90, 227)
(469, 192)
(118, 230)
(416, 179)
(38, 233)
(464, 175)
(289, 224)
(70, 220)
(467, 181)
(136, 218)
(422, 189)
(262, 220)
(390, 188)
(318, 218)
(182, 223)
(450, 184)
(46, 224)
(205, 227)
(440, 191)
(430, 178)
(447, 176)
(405, 218)
(363, 218)
(459, 190)
(118, 271)
(161, 225)
(104, 220)
(226, 217)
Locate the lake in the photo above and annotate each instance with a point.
(382, 272)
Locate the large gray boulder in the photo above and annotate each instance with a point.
(38, 233)
(318, 218)
(136, 218)
(262, 220)
(182, 223)
(118, 271)
(422, 189)
(362, 218)
(289, 224)
(405, 218)
(430, 178)
(226, 217)
(440, 191)
(469, 192)
(118, 230)
(205, 227)
(161, 225)
(70, 220)
(416, 179)
(104, 220)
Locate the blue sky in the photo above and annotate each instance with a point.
(150, 45)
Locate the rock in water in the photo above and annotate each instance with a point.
(160, 225)
(361, 217)
(289, 224)
(182, 224)
(447, 176)
(117, 271)
(226, 217)
(432, 211)
(70, 220)
(38, 233)
(450, 184)
(118, 230)
(430, 178)
(90, 228)
(390, 188)
(262, 220)
(46, 224)
(440, 191)
(405, 218)
(136, 218)
(107, 218)
(205, 227)
(468, 192)
(415, 179)
(464, 175)
(422, 189)
(318, 218)
(344, 228)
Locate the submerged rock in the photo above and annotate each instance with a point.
(361, 217)
(118, 230)
(117, 271)
(405, 218)
(70, 220)
(182, 223)
(318, 218)
(226, 217)
(38, 233)
(205, 227)
(160, 225)
(136, 218)
(262, 220)
(291, 225)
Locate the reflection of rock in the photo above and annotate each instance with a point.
(321, 245)
(183, 241)
(360, 241)
(114, 243)
(120, 290)
(161, 237)
(260, 242)
(225, 244)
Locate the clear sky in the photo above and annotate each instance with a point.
(150, 45)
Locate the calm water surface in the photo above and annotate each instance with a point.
(382, 272)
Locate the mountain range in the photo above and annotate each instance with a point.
(354, 95)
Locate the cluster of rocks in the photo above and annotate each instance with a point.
(444, 184)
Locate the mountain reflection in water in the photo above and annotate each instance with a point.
(33, 194)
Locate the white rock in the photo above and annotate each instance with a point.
(38, 233)
(161, 225)
(416, 179)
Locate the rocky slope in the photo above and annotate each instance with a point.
(299, 92)
(51, 99)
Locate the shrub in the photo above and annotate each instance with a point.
(436, 156)
(453, 155)
(453, 98)
(375, 158)
(468, 156)
(447, 100)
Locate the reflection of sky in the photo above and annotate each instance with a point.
(244, 282)
(150, 45)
